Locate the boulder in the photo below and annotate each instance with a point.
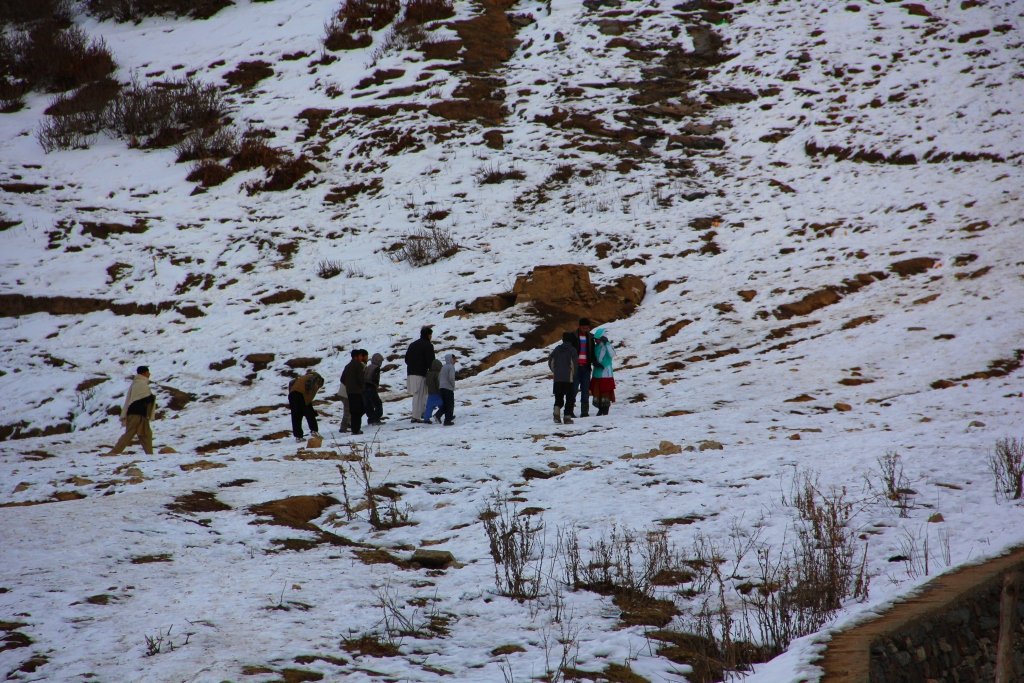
(432, 559)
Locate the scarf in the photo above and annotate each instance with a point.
(139, 389)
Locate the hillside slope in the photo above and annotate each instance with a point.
(822, 205)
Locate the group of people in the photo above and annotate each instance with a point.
(582, 364)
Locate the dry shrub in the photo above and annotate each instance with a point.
(208, 173)
(54, 57)
(285, 175)
(90, 98)
(137, 10)
(622, 561)
(517, 548)
(425, 247)
(328, 269)
(218, 144)
(73, 131)
(150, 110)
(1007, 467)
(255, 153)
(30, 11)
(367, 15)
(12, 92)
(350, 28)
(422, 11)
(800, 590)
(491, 175)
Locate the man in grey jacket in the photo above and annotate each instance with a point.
(563, 362)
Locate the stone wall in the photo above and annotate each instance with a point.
(956, 644)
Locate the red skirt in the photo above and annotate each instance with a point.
(603, 388)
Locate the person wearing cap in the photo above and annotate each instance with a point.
(583, 340)
(602, 385)
(301, 393)
(137, 411)
(418, 359)
(371, 395)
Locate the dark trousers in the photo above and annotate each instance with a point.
(448, 403)
(300, 410)
(565, 396)
(373, 405)
(582, 385)
(355, 407)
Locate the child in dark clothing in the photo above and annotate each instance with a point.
(563, 363)
(433, 384)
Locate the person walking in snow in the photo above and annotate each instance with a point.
(138, 409)
(371, 395)
(563, 363)
(353, 378)
(301, 393)
(418, 359)
(602, 386)
(447, 387)
(433, 385)
(583, 340)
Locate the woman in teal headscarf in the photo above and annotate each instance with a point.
(602, 384)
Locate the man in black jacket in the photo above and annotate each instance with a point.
(353, 377)
(418, 360)
(583, 340)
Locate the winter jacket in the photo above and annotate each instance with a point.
(563, 361)
(420, 356)
(353, 378)
(372, 372)
(433, 380)
(139, 400)
(307, 385)
(447, 378)
(603, 359)
(590, 347)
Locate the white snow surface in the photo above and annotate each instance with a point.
(230, 604)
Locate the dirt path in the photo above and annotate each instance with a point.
(847, 659)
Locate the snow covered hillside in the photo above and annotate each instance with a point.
(801, 223)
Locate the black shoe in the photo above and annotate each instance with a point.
(357, 433)
(584, 414)
(570, 414)
(448, 423)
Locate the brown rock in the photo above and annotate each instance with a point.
(314, 442)
(284, 296)
(843, 407)
(709, 445)
(913, 266)
(296, 363)
(494, 139)
(166, 450)
(433, 559)
(259, 361)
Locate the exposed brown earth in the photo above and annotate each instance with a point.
(14, 305)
